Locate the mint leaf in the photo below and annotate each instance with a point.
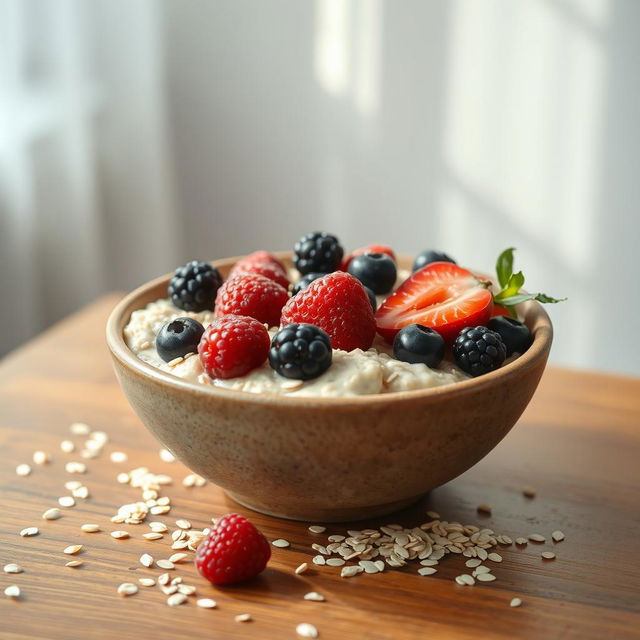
(510, 301)
(543, 297)
(513, 286)
(504, 266)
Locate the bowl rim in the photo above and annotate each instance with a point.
(531, 310)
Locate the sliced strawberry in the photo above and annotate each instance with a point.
(371, 248)
(442, 296)
(499, 310)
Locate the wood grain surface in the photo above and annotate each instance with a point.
(578, 445)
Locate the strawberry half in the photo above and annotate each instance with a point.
(370, 248)
(442, 296)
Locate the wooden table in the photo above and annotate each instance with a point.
(578, 445)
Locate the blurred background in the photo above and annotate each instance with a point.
(137, 134)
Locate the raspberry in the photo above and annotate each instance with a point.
(261, 257)
(267, 269)
(233, 551)
(252, 295)
(232, 346)
(370, 248)
(339, 305)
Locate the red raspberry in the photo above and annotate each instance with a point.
(233, 551)
(262, 257)
(267, 269)
(338, 304)
(252, 295)
(232, 346)
(371, 248)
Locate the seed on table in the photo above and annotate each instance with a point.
(41, 457)
(118, 456)
(75, 467)
(243, 617)
(302, 568)
(186, 589)
(127, 589)
(80, 429)
(73, 549)
(486, 577)
(123, 478)
(146, 582)
(146, 560)
(536, 537)
(314, 596)
(67, 501)
(316, 528)
(183, 524)
(23, 469)
(12, 568)
(159, 510)
(473, 562)
(548, 555)
(12, 591)
(334, 562)
(557, 536)
(72, 485)
(306, 630)
(158, 527)
(81, 492)
(350, 571)
(52, 514)
(484, 508)
(29, 531)
(176, 599)
(319, 560)
(529, 492)
(178, 557)
(119, 535)
(74, 563)
(481, 569)
(280, 543)
(207, 603)
(521, 541)
(495, 557)
(164, 579)
(90, 528)
(515, 602)
(427, 571)
(67, 446)
(165, 564)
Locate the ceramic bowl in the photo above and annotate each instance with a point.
(327, 459)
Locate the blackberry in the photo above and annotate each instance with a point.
(478, 350)
(375, 270)
(417, 343)
(300, 351)
(515, 335)
(429, 256)
(194, 286)
(178, 337)
(317, 251)
(305, 281)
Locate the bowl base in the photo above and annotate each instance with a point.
(329, 514)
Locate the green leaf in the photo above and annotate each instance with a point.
(504, 266)
(511, 301)
(543, 297)
(513, 286)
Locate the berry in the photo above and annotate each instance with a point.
(317, 251)
(371, 248)
(262, 257)
(515, 335)
(231, 346)
(416, 343)
(478, 350)
(442, 296)
(429, 256)
(194, 286)
(267, 269)
(339, 305)
(305, 281)
(252, 295)
(233, 551)
(178, 337)
(300, 351)
(372, 298)
(499, 310)
(375, 270)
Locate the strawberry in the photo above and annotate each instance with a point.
(252, 295)
(232, 346)
(442, 296)
(233, 551)
(499, 310)
(338, 304)
(370, 248)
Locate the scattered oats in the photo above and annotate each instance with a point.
(548, 555)
(75, 467)
(73, 549)
(81, 492)
(67, 446)
(146, 560)
(12, 568)
(152, 536)
(176, 558)
(166, 564)
(536, 537)
(429, 563)
(302, 568)
(485, 577)
(350, 571)
(167, 456)
(127, 589)
(80, 429)
(13, 591)
(119, 535)
(74, 563)
(52, 514)
(23, 469)
(306, 630)
(515, 602)
(183, 524)
(176, 599)
(180, 544)
(368, 566)
(465, 579)
(481, 569)
(163, 501)
(72, 485)
(123, 478)
(557, 536)
(118, 456)
(41, 457)
(164, 579)
(99, 437)
(243, 617)
(177, 580)
(427, 571)
(495, 557)
(482, 554)
(521, 541)
(150, 494)
(146, 582)
(504, 540)
(315, 596)
(280, 543)
(207, 603)
(29, 531)
(158, 527)
(159, 510)
(169, 590)
(67, 501)
(186, 589)
(316, 528)
(88, 454)
(433, 515)
(336, 538)
(484, 508)
(319, 560)
(335, 562)
(473, 562)
(529, 492)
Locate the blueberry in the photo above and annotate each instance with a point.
(429, 256)
(300, 351)
(515, 335)
(178, 337)
(305, 281)
(372, 299)
(416, 343)
(375, 270)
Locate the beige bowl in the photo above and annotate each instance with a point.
(327, 459)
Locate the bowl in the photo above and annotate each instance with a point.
(327, 459)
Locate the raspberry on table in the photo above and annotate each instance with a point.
(233, 551)
(300, 351)
(194, 286)
(317, 251)
(232, 346)
(478, 350)
(252, 295)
